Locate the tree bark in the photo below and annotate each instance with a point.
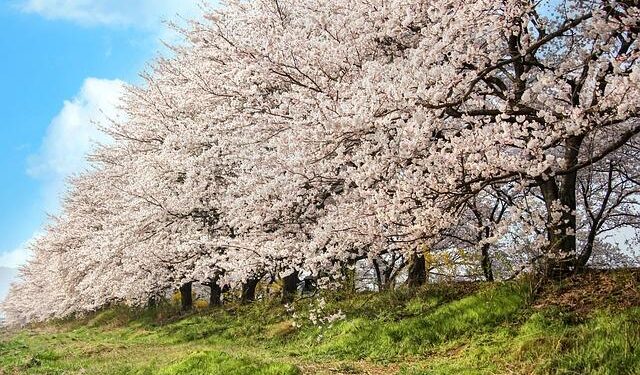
(561, 253)
(215, 295)
(487, 268)
(417, 272)
(185, 296)
(568, 199)
(379, 281)
(289, 287)
(249, 291)
(596, 222)
(308, 286)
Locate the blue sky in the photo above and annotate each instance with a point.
(63, 63)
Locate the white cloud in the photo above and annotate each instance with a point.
(140, 13)
(15, 258)
(10, 263)
(72, 134)
(7, 276)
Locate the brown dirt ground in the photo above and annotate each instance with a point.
(584, 292)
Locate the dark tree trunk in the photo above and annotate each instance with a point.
(485, 255)
(152, 302)
(417, 272)
(568, 196)
(289, 287)
(249, 291)
(308, 286)
(558, 254)
(487, 268)
(596, 222)
(185, 296)
(583, 259)
(561, 255)
(389, 278)
(379, 281)
(215, 295)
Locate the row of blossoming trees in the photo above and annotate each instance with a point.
(296, 139)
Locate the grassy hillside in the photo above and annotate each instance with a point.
(586, 325)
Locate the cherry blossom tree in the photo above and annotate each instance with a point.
(288, 139)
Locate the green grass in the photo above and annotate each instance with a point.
(384, 338)
(214, 362)
(455, 329)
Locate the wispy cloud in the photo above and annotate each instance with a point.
(72, 134)
(7, 276)
(10, 262)
(16, 257)
(139, 13)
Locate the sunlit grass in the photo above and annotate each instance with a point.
(460, 329)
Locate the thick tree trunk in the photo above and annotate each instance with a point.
(215, 295)
(561, 255)
(487, 268)
(289, 287)
(185, 296)
(249, 291)
(561, 248)
(417, 272)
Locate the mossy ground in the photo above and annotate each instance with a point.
(573, 327)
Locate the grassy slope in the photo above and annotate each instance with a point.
(589, 325)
